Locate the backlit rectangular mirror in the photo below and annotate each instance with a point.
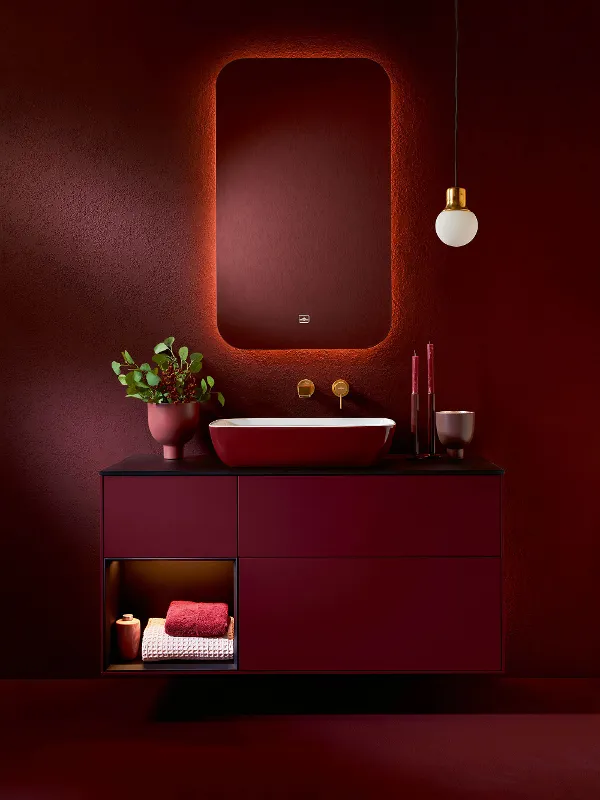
(303, 203)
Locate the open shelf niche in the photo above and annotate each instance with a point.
(145, 587)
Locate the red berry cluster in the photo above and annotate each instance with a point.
(189, 389)
(178, 392)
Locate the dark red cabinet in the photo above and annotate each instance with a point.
(369, 614)
(369, 515)
(170, 517)
(395, 569)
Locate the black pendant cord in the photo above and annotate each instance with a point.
(456, 93)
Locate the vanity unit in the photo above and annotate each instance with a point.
(392, 568)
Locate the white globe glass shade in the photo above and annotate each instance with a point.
(456, 227)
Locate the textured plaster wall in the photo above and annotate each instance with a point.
(107, 230)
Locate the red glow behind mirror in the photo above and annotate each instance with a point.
(303, 203)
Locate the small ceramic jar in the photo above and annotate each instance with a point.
(128, 637)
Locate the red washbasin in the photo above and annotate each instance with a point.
(302, 442)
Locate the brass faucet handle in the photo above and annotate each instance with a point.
(305, 388)
(340, 388)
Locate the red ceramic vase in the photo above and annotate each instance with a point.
(173, 425)
(128, 637)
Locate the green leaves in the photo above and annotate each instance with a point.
(133, 391)
(166, 345)
(153, 380)
(175, 379)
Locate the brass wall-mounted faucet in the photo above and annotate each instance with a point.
(340, 388)
(306, 388)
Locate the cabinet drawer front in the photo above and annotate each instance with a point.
(408, 614)
(165, 517)
(369, 516)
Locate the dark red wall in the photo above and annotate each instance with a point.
(107, 219)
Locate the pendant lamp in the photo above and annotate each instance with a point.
(456, 225)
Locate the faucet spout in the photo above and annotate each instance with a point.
(340, 388)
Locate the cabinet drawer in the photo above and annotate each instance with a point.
(165, 517)
(375, 515)
(406, 614)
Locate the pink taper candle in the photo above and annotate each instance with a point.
(415, 373)
(430, 378)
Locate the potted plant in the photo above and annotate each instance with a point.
(172, 390)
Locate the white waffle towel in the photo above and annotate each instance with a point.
(159, 646)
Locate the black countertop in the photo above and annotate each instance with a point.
(391, 465)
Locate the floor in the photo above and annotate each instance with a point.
(300, 737)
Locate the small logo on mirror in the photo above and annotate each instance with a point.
(303, 318)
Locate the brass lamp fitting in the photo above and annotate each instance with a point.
(456, 199)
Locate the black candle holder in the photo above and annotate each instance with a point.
(414, 423)
(431, 433)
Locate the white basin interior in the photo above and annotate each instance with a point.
(304, 422)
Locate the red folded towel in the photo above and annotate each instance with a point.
(185, 618)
